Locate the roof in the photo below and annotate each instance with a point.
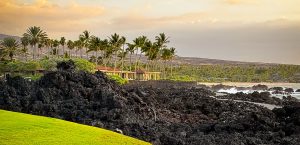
(106, 68)
(140, 71)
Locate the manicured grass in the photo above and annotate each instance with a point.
(24, 129)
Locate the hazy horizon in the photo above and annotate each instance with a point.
(239, 30)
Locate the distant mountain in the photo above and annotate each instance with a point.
(195, 61)
(2, 36)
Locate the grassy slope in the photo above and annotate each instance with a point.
(20, 129)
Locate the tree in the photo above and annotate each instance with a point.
(139, 43)
(123, 53)
(161, 41)
(116, 42)
(10, 47)
(130, 49)
(55, 49)
(166, 55)
(48, 45)
(172, 55)
(95, 45)
(85, 40)
(34, 35)
(62, 43)
(151, 51)
(25, 43)
(81, 44)
(71, 46)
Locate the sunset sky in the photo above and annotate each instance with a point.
(244, 30)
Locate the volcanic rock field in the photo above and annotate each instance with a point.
(173, 114)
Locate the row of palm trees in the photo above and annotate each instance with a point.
(114, 48)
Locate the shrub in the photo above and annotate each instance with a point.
(83, 64)
(183, 78)
(48, 64)
(118, 79)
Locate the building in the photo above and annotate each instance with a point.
(131, 75)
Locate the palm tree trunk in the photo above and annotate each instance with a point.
(115, 65)
(87, 54)
(96, 57)
(63, 51)
(136, 60)
(171, 69)
(123, 58)
(130, 61)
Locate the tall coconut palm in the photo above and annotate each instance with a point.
(10, 47)
(63, 43)
(55, 49)
(172, 55)
(95, 45)
(161, 41)
(85, 40)
(25, 43)
(167, 55)
(71, 46)
(130, 49)
(139, 44)
(106, 50)
(35, 35)
(151, 51)
(48, 45)
(115, 42)
(124, 53)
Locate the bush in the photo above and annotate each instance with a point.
(183, 78)
(83, 64)
(48, 64)
(118, 79)
(18, 66)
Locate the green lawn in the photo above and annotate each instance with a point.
(25, 129)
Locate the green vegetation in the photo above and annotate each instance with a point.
(118, 79)
(23, 129)
(114, 51)
(238, 73)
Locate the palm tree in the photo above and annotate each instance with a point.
(81, 44)
(161, 41)
(151, 51)
(124, 53)
(34, 35)
(139, 43)
(62, 43)
(107, 52)
(116, 42)
(25, 43)
(172, 55)
(167, 55)
(130, 49)
(85, 40)
(10, 47)
(71, 46)
(48, 45)
(55, 45)
(95, 45)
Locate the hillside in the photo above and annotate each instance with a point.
(19, 128)
(2, 36)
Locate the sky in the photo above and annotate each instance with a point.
(242, 30)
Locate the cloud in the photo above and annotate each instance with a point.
(16, 16)
(237, 2)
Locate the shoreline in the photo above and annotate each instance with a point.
(249, 84)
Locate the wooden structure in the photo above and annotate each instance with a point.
(131, 75)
